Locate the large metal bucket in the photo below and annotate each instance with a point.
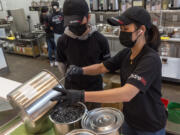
(103, 121)
(64, 128)
(33, 98)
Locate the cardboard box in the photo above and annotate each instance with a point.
(112, 81)
(29, 51)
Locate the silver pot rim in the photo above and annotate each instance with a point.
(106, 132)
(76, 130)
(85, 112)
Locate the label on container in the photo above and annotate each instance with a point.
(28, 91)
(137, 3)
(101, 18)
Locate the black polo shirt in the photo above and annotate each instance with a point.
(145, 112)
(83, 53)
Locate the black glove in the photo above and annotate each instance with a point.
(74, 70)
(68, 97)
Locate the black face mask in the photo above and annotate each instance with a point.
(79, 29)
(126, 39)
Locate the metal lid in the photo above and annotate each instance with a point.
(81, 132)
(103, 120)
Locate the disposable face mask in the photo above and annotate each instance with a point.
(126, 39)
(79, 29)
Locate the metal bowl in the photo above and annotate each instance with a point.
(64, 128)
(81, 132)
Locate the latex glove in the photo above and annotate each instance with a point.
(68, 97)
(74, 70)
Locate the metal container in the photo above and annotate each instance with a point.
(95, 5)
(33, 97)
(40, 126)
(103, 121)
(64, 128)
(174, 3)
(113, 5)
(103, 5)
(81, 132)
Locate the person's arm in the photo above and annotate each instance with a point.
(50, 22)
(95, 69)
(116, 95)
(111, 64)
(61, 68)
(61, 56)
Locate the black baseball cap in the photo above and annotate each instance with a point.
(54, 3)
(74, 11)
(131, 15)
(44, 9)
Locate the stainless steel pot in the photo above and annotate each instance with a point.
(113, 5)
(103, 121)
(103, 5)
(95, 5)
(64, 128)
(81, 132)
(40, 126)
(33, 97)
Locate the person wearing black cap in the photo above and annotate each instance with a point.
(140, 72)
(81, 45)
(57, 21)
(44, 20)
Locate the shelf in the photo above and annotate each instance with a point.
(10, 52)
(107, 12)
(165, 11)
(155, 11)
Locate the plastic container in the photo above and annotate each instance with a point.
(165, 102)
(174, 112)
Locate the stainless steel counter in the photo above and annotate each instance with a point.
(171, 69)
(172, 40)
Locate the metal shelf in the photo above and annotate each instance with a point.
(165, 11)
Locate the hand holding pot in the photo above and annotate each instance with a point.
(68, 97)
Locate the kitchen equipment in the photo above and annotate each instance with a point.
(113, 5)
(138, 3)
(165, 4)
(95, 5)
(103, 121)
(123, 5)
(40, 126)
(103, 5)
(174, 4)
(81, 132)
(33, 97)
(128, 3)
(64, 128)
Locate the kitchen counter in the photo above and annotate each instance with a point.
(171, 40)
(117, 37)
(171, 70)
(17, 127)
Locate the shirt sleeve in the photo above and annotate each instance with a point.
(105, 52)
(60, 55)
(50, 21)
(115, 62)
(145, 73)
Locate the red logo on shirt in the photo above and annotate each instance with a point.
(143, 81)
(139, 78)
